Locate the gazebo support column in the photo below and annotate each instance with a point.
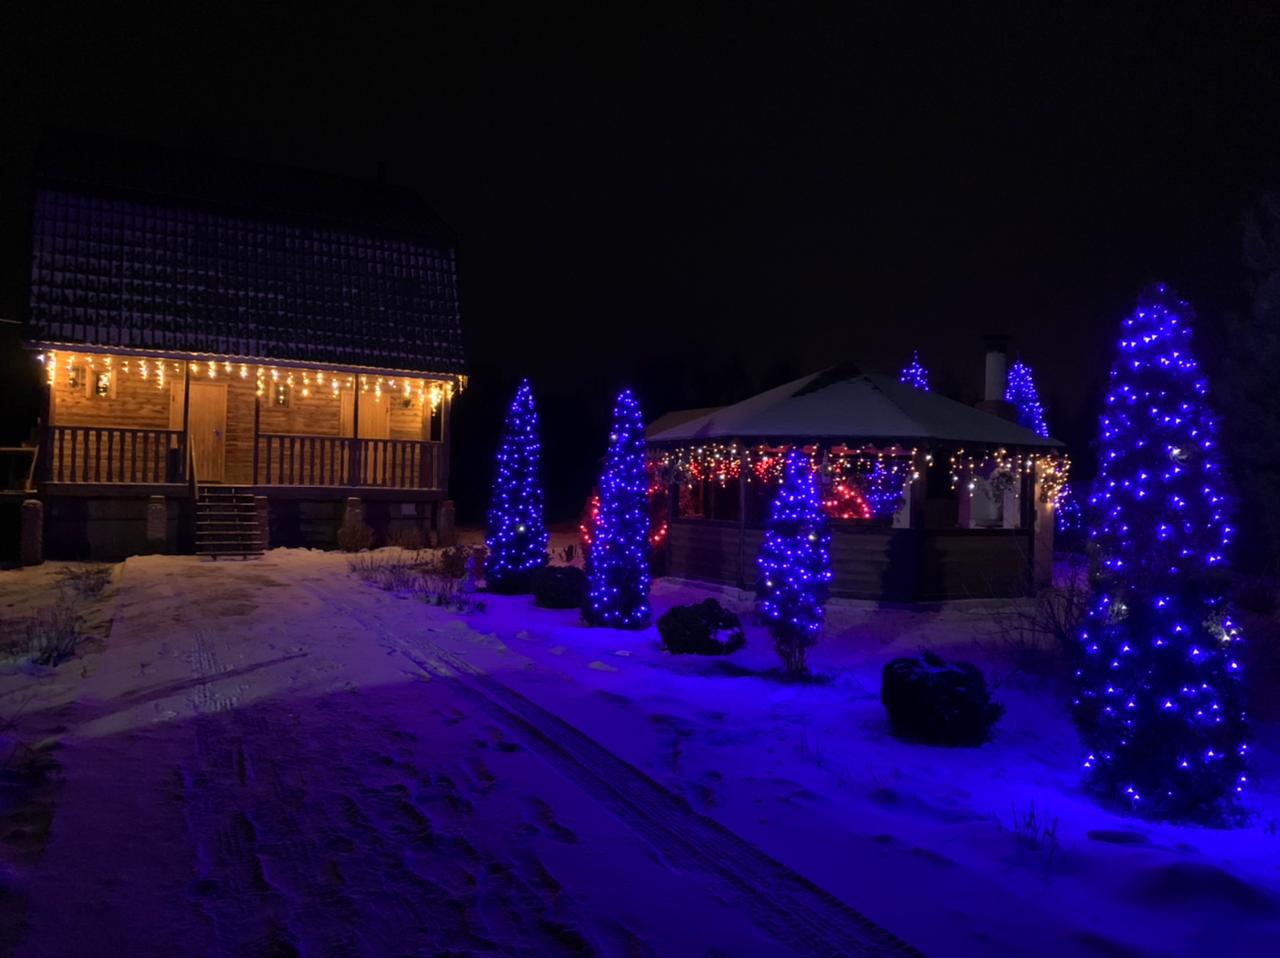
(742, 523)
(910, 514)
(1041, 539)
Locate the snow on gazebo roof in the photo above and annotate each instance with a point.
(845, 404)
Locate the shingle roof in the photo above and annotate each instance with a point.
(164, 251)
(844, 404)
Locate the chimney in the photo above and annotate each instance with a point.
(997, 372)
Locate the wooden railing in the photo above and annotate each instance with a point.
(100, 454)
(289, 460)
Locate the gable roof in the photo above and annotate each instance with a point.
(845, 404)
(159, 250)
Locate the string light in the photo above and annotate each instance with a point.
(794, 564)
(515, 534)
(1159, 699)
(618, 570)
(914, 374)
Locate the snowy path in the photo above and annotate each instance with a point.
(796, 913)
(264, 761)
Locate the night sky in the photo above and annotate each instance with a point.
(703, 204)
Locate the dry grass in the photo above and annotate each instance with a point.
(52, 634)
(87, 581)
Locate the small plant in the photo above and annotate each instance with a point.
(88, 582)
(355, 537)
(452, 561)
(937, 702)
(52, 634)
(409, 538)
(1034, 833)
(559, 587)
(446, 592)
(705, 628)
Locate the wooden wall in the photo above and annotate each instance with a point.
(139, 403)
(870, 562)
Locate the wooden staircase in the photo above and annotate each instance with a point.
(227, 523)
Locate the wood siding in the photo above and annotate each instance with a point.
(137, 403)
(870, 563)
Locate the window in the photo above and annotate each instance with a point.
(282, 394)
(102, 385)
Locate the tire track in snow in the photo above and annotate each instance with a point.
(799, 914)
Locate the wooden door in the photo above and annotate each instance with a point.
(207, 430)
(375, 416)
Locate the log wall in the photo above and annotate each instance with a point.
(871, 562)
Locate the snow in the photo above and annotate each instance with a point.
(273, 756)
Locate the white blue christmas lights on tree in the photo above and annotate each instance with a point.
(794, 564)
(516, 535)
(1020, 391)
(1160, 698)
(618, 568)
(914, 374)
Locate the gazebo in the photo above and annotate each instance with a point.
(927, 498)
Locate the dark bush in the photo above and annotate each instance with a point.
(942, 703)
(559, 587)
(695, 629)
(355, 536)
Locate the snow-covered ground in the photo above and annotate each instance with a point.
(274, 757)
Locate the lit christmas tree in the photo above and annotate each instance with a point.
(516, 536)
(1160, 698)
(795, 565)
(618, 569)
(914, 374)
(1020, 391)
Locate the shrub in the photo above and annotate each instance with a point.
(53, 634)
(86, 581)
(695, 629)
(409, 538)
(942, 703)
(559, 587)
(452, 561)
(354, 536)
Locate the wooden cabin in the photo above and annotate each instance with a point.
(236, 356)
(926, 498)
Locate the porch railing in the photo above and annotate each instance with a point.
(293, 460)
(102, 454)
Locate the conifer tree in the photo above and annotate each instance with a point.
(618, 566)
(1159, 698)
(794, 565)
(515, 534)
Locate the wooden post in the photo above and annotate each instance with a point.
(186, 417)
(46, 435)
(257, 424)
(353, 458)
(446, 406)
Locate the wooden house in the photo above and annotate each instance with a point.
(236, 355)
(926, 498)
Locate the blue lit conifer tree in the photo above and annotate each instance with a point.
(1020, 391)
(914, 374)
(515, 535)
(794, 564)
(618, 566)
(1159, 699)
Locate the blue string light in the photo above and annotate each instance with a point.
(1020, 390)
(618, 572)
(515, 534)
(915, 375)
(1159, 698)
(794, 564)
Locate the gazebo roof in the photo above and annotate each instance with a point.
(845, 404)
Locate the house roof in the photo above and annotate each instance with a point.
(845, 404)
(140, 248)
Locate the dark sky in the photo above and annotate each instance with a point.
(696, 203)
